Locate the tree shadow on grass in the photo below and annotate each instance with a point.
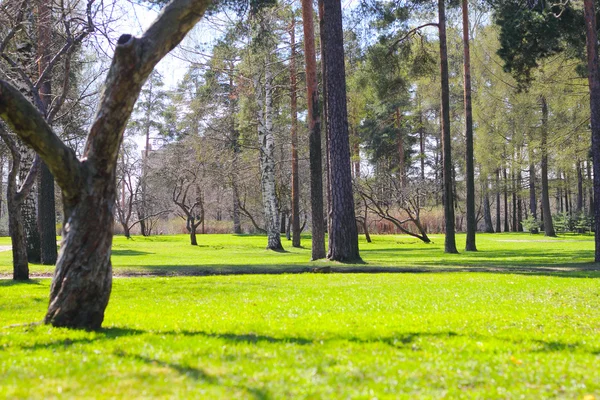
(195, 373)
(11, 282)
(129, 253)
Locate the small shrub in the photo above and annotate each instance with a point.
(531, 224)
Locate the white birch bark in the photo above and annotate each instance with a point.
(266, 143)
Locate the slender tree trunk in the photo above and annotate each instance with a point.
(400, 143)
(235, 137)
(343, 236)
(487, 213)
(294, 133)
(323, 38)
(498, 221)
(591, 191)
(421, 139)
(470, 169)
(548, 226)
(267, 157)
(193, 240)
(450, 241)
(532, 197)
(519, 203)
(579, 188)
(505, 194)
(514, 201)
(314, 127)
(46, 203)
(594, 84)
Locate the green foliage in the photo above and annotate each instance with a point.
(532, 31)
(531, 224)
(312, 336)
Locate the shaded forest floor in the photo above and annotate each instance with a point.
(246, 254)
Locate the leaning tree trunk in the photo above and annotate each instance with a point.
(548, 226)
(343, 236)
(594, 84)
(82, 281)
(470, 169)
(314, 127)
(450, 241)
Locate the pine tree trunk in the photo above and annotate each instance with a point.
(505, 194)
(498, 221)
(594, 84)
(450, 241)
(487, 213)
(548, 226)
(294, 133)
(314, 127)
(324, 120)
(470, 169)
(343, 235)
(514, 202)
(579, 188)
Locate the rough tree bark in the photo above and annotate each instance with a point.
(45, 201)
(470, 169)
(594, 84)
(314, 127)
(14, 202)
(83, 278)
(450, 240)
(325, 128)
(294, 133)
(343, 235)
(548, 226)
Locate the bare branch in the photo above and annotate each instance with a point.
(27, 122)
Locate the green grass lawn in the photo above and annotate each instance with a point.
(164, 255)
(320, 336)
(526, 325)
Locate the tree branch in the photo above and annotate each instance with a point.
(409, 34)
(134, 60)
(27, 122)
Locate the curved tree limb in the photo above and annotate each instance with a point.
(29, 124)
(134, 60)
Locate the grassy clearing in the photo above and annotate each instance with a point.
(459, 335)
(160, 255)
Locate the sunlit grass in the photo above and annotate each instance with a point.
(160, 255)
(451, 335)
